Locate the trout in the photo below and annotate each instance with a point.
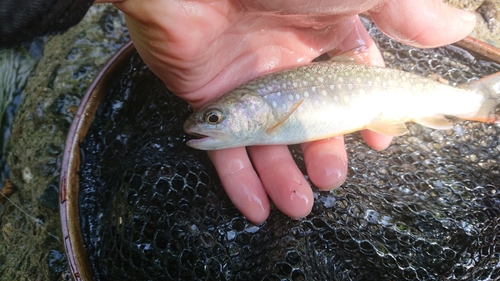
(331, 98)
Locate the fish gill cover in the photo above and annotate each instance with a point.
(427, 208)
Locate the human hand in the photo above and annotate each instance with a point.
(202, 49)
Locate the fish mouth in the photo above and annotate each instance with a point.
(197, 135)
(207, 140)
(204, 142)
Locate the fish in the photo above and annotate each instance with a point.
(331, 98)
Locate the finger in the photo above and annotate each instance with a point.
(424, 23)
(282, 179)
(376, 140)
(326, 162)
(241, 183)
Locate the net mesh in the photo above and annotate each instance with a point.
(427, 208)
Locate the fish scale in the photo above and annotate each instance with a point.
(326, 99)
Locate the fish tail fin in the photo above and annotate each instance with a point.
(490, 108)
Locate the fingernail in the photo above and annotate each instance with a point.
(335, 173)
(465, 15)
(332, 172)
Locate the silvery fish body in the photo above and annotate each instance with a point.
(326, 99)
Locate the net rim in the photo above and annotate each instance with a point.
(69, 181)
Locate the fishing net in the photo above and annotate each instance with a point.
(427, 208)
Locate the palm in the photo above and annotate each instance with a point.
(203, 50)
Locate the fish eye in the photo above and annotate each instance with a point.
(213, 117)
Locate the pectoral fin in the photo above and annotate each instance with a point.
(438, 122)
(391, 127)
(283, 119)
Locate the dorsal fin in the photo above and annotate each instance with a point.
(292, 110)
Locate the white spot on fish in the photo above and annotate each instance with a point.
(274, 104)
(340, 79)
(313, 89)
(297, 96)
(278, 94)
(335, 98)
(339, 86)
(324, 93)
(332, 87)
(330, 76)
(358, 80)
(350, 86)
(305, 83)
(306, 94)
(290, 97)
(295, 84)
(284, 85)
(320, 79)
(269, 88)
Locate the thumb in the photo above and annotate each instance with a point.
(423, 23)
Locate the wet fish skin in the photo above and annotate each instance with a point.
(326, 99)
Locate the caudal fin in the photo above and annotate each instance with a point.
(490, 87)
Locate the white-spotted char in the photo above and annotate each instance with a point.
(326, 99)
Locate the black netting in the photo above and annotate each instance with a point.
(427, 208)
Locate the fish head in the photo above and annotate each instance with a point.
(235, 119)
